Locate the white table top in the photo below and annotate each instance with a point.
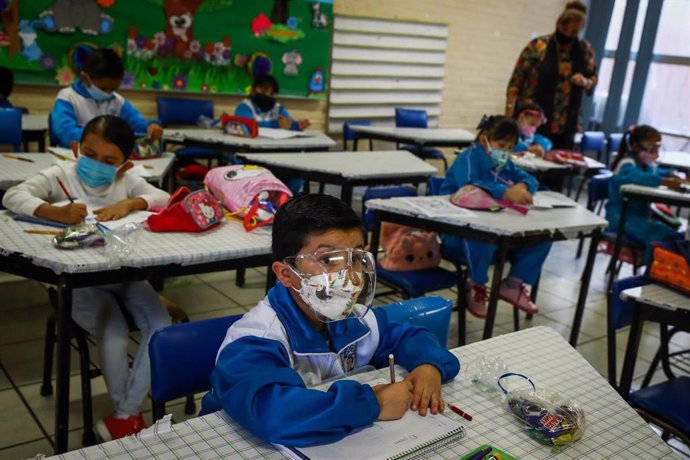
(613, 429)
(428, 136)
(539, 164)
(656, 192)
(566, 221)
(365, 164)
(34, 122)
(226, 242)
(315, 140)
(680, 160)
(13, 171)
(658, 296)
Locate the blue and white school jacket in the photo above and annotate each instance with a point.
(475, 167)
(74, 108)
(268, 119)
(526, 142)
(272, 353)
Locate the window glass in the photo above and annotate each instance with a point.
(673, 34)
(666, 93)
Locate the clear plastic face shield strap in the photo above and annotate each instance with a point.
(336, 284)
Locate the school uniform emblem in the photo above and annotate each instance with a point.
(347, 358)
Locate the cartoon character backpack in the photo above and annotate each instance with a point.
(408, 248)
(251, 193)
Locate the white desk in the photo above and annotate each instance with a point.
(658, 296)
(421, 137)
(679, 160)
(348, 169)
(13, 171)
(613, 430)
(216, 138)
(226, 247)
(505, 229)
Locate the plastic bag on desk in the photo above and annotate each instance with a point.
(485, 372)
(548, 417)
(121, 242)
(79, 236)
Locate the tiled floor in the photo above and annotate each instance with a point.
(27, 423)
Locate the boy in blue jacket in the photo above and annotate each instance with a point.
(529, 118)
(487, 165)
(635, 164)
(93, 94)
(315, 325)
(263, 107)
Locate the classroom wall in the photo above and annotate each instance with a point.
(485, 38)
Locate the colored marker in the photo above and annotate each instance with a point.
(15, 157)
(481, 454)
(391, 367)
(460, 412)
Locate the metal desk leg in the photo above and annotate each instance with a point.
(631, 351)
(346, 193)
(375, 234)
(64, 333)
(495, 287)
(618, 245)
(584, 287)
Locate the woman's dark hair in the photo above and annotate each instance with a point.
(266, 80)
(114, 130)
(574, 11)
(310, 214)
(6, 82)
(104, 63)
(498, 128)
(632, 140)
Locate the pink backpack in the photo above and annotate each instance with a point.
(251, 193)
(408, 248)
(473, 197)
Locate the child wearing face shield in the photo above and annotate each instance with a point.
(529, 118)
(486, 164)
(93, 94)
(100, 172)
(315, 325)
(263, 107)
(635, 163)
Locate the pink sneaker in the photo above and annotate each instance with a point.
(476, 300)
(518, 297)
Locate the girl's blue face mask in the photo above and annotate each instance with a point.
(94, 173)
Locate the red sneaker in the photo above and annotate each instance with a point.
(476, 300)
(518, 297)
(114, 428)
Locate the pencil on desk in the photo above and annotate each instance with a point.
(62, 157)
(391, 366)
(42, 232)
(64, 189)
(15, 157)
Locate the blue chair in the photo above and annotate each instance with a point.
(433, 185)
(349, 135)
(184, 355)
(613, 144)
(11, 128)
(410, 118)
(593, 142)
(382, 191)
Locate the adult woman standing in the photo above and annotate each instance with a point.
(554, 71)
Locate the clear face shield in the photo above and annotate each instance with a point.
(337, 284)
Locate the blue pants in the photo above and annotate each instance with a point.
(525, 261)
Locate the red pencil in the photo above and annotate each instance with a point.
(460, 412)
(64, 189)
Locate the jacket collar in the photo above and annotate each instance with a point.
(302, 336)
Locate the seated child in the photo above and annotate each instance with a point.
(101, 172)
(635, 164)
(263, 107)
(529, 118)
(94, 94)
(6, 87)
(311, 328)
(486, 164)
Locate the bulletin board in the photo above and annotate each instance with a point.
(194, 46)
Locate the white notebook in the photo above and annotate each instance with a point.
(395, 439)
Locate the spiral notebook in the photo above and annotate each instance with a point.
(395, 439)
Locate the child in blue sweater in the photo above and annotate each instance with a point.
(314, 325)
(529, 118)
(486, 164)
(635, 164)
(263, 107)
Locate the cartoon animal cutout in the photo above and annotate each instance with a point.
(30, 49)
(10, 19)
(245, 172)
(316, 84)
(179, 22)
(408, 248)
(207, 211)
(319, 20)
(292, 60)
(66, 16)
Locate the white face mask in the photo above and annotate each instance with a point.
(332, 296)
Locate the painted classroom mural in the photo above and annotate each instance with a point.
(196, 46)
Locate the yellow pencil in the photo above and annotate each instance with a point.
(42, 232)
(15, 157)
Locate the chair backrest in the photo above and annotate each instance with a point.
(614, 142)
(183, 356)
(433, 185)
(592, 141)
(411, 118)
(598, 189)
(431, 312)
(180, 111)
(382, 191)
(348, 134)
(11, 128)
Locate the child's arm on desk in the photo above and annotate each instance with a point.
(120, 209)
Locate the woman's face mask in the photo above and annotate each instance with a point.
(94, 173)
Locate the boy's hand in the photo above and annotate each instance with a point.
(72, 213)
(154, 131)
(284, 122)
(426, 389)
(536, 149)
(673, 183)
(114, 211)
(394, 399)
(304, 124)
(518, 194)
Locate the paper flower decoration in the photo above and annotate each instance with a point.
(64, 76)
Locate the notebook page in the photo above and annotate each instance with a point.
(546, 200)
(437, 206)
(279, 134)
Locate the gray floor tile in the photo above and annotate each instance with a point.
(595, 353)
(24, 323)
(593, 323)
(198, 298)
(248, 295)
(17, 425)
(4, 382)
(24, 361)
(20, 294)
(27, 450)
